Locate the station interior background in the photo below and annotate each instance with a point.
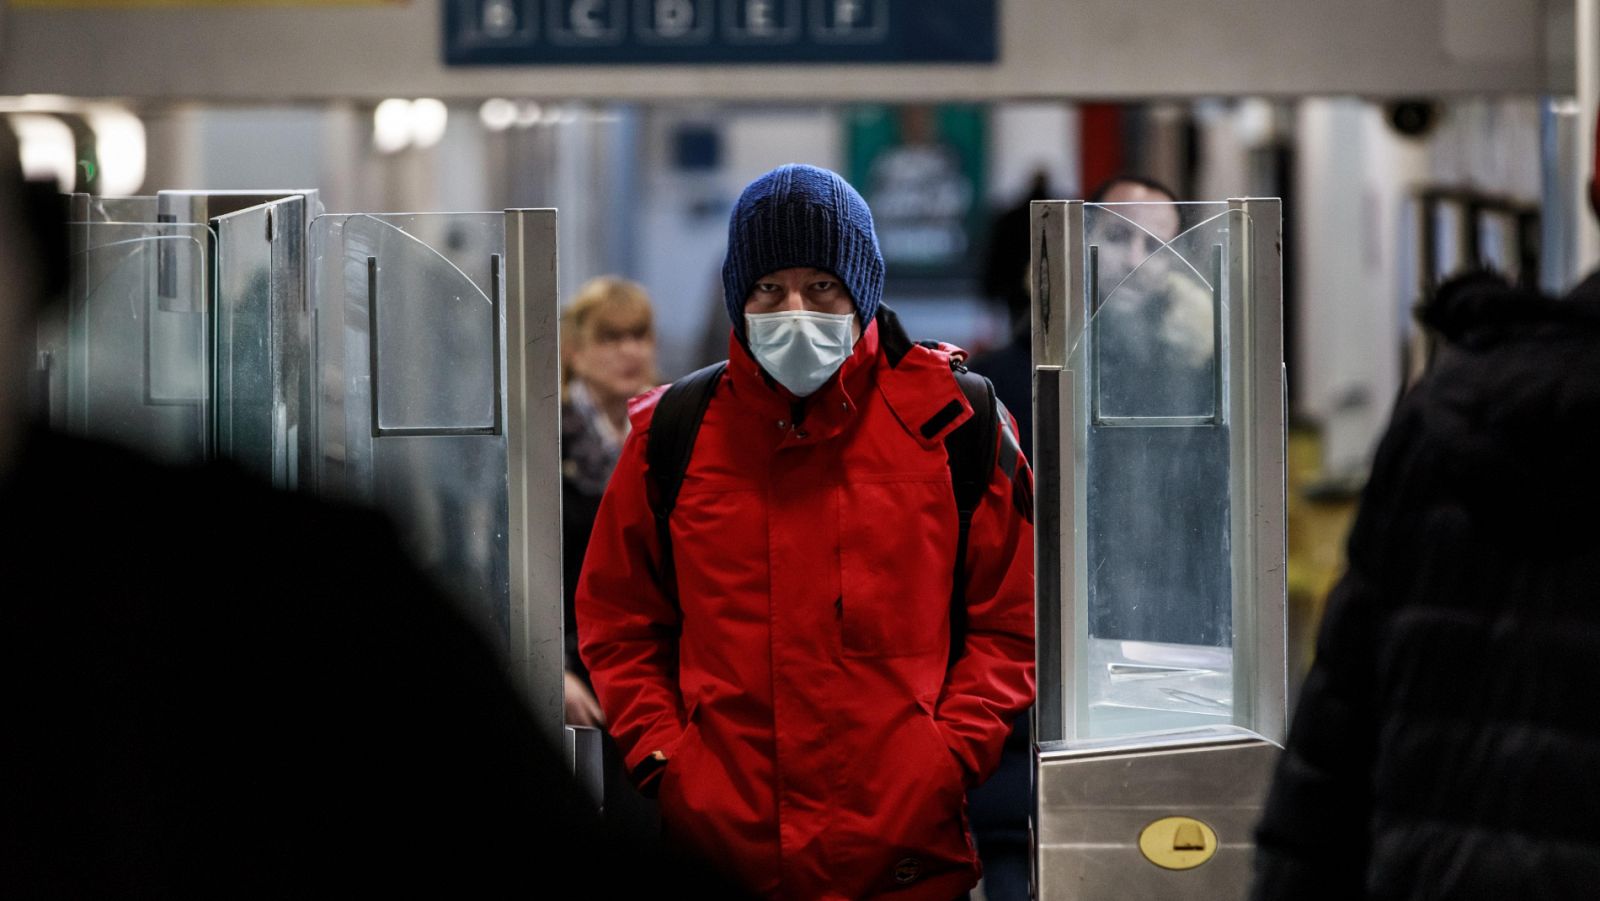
(644, 177)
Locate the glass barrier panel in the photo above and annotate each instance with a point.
(136, 341)
(409, 329)
(244, 347)
(262, 345)
(123, 209)
(1158, 461)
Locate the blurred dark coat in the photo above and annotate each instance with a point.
(209, 689)
(1447, 744)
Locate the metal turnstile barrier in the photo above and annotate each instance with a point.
(407, 361)
(175, 341)
(1159, 442)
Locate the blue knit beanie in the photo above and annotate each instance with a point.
(799, 215)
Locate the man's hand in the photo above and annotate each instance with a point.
(581, 707)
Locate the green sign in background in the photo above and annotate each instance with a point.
(921, 169)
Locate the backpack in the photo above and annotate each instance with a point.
(971, 449)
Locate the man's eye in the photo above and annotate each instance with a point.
(824, 286)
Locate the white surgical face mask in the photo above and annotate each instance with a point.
(800, 349)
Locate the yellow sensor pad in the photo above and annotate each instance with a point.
(1177, 843)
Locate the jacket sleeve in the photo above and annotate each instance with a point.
(992, 680)
(628, 629)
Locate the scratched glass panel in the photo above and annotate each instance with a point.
(136, 344)
(262, 352)
(429, 450)
(1157, 471)
(123, 209)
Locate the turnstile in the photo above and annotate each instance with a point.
(182, 334)
(406, 361)
(436, 353)
(1159, 442)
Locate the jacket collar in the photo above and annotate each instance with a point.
(821, 415)
(915, 381)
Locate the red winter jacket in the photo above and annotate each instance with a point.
(819, 744)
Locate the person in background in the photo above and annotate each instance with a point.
(1446, 744)
(1154, 315)
(1005, 279)
(608, 355)
(1006, 254)
(1157, 501)
(798, 692)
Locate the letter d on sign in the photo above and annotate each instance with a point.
(674, 18)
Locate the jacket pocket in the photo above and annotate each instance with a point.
(896, 559)
(678, 760)
(954, 773)
(920, 831)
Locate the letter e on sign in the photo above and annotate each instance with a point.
(761, 21)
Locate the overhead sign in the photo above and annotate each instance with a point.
(140, 4)
(653, 32)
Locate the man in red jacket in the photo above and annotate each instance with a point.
(788, 681)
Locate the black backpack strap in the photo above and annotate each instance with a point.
(971, 448)
(673, 428)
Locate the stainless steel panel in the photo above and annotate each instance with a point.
(1095, 800)
(1586, 252)
(1056, 251)
(1563, 190)
(587, 758)
(533, 434)
(203, 206)
(57, 320)
(1260, 547)
(1050, 708)
(1056, 276)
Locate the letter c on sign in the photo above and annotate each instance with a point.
(586, 18)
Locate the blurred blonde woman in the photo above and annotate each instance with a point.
(608, 354)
